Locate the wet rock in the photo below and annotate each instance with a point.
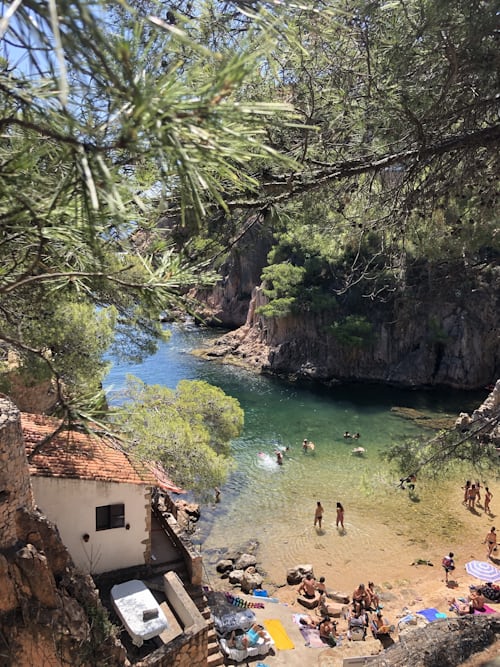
(244, 561)
(224, 565)
(235, 577)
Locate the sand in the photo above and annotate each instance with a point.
(403, 587)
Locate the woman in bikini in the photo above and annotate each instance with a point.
(340, 515)
(491, 541)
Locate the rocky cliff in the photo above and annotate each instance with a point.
(441, 330)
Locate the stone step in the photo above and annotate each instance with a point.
(213, 647)
(215, 660)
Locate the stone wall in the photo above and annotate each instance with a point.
(15, 487)
(191, 555)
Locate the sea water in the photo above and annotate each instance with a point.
(274, 504)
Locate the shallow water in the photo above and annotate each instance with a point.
(275, 504)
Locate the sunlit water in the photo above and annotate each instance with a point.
(275, 504)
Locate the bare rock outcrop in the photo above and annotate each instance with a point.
(448, 336)
(446, 643)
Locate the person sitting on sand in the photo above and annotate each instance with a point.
(247, 639)
(477, 601)
(380, 625)
(328, 630)
(308, 587)
(361, 598)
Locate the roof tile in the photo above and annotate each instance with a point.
(75, 455)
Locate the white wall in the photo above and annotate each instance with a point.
(71, 503)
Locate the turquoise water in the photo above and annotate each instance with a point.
(275, 503)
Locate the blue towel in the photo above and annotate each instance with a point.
(431, 614)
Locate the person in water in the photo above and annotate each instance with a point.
(340, 515)
(279, 458)
(318, 514)
(307, 445)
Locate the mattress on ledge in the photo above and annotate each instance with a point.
(138, 610)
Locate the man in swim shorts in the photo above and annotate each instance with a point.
(308, 587)
(318, 514)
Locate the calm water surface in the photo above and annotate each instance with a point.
(275, 504)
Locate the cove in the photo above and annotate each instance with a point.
(275, 504)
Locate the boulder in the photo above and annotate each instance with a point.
(250, 581)
(338, 597)
(309, 603)
(295, 574)
(244, 561)
(224, 565)
(235, 576)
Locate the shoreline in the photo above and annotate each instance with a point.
(389, 564)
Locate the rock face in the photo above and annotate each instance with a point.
(442, 643)
(226, 305)
(420, 337)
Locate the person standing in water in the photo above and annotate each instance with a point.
(318, 514)
(340, 515)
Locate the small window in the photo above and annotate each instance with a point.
(109, 516)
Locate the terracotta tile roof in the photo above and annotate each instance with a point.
(76, 455)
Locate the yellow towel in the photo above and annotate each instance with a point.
(278, 633)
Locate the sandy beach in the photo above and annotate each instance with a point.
(403, 587)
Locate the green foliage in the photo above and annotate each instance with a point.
(441, 454)
(353, 331)
(188, 430)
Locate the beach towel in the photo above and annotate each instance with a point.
(311, 637)
(485, 610)
(431, 614)
(275, 628)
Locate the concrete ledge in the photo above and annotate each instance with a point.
(185, 609)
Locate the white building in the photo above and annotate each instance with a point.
(98, 496)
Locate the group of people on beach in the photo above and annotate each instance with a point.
(319, 511)
(365, 612)
(472, 496)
